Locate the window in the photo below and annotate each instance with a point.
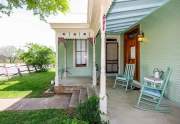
(81, 53)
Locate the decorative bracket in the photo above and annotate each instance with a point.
(92, 40)
(62, 40)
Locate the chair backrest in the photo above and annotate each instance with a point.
(166, 78)
(129, 71)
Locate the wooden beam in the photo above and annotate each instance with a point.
(120, 25)
(117, 31)
(127, 15)
(132, 6)
(116, 21)
(119, 28)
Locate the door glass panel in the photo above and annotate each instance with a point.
(133, 52)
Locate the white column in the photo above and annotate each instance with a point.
(94, 63)
(103, 96)
(57, 76)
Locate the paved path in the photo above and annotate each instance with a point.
(57, 101)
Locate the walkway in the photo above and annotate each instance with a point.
(122, 111)
(57, 101)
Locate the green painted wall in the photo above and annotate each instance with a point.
(98, 50)
(75, 71)
(162, 45)
(79, 71)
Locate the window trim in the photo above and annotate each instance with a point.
(74, 54)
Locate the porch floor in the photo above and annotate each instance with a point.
(121, 109)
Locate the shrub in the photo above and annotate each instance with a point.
(89, 111)
(38, 56)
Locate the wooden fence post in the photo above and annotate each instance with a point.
(19, 72)
(35, 68)
(7, 74)
(28, 69)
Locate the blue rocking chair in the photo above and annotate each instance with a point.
(126, 79)
(152, 94)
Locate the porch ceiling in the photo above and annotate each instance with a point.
(124, 14)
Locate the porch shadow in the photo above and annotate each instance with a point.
(30, 85)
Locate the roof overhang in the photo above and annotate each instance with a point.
(93, 18)
(125, 14)
(69, 25)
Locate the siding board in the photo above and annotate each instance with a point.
(162, 45)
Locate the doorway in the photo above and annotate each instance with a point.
(132, 50)
(111, 56)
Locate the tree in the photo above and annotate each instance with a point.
(38, 56)
(43, 8)
(11, 53)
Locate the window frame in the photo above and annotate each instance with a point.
(75, 51)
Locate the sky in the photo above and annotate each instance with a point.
(22, 26)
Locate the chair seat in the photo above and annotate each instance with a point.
(152, 92)
(121, 78)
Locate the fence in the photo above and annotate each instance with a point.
(9, 70)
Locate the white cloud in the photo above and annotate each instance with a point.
(22, 27)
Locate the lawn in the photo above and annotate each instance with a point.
(29, 85)
(49, 116)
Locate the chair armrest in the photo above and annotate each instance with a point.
(119, 75)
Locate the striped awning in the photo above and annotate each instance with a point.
(125, 14)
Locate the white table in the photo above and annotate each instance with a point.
(153, 79)
(155, 82)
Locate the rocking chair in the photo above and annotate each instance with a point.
(152, 94)
(126, 79)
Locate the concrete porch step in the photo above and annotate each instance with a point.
(74, 101)
(82, 95)
(65, 89)
(79, 94)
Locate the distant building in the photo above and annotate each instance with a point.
(3, 59)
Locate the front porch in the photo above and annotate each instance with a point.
(121, 109)
(121, 104)
(80, 47)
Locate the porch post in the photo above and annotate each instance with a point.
(57, 76)
(94, 63)
(103, 96)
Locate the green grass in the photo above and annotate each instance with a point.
(49, 116)
(29, 85)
